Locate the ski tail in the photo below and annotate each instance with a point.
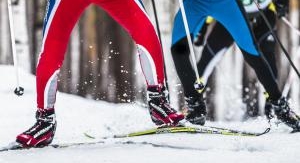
(12, 146)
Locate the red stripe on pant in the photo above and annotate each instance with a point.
(125, 12)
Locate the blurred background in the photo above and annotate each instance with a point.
(102, 64)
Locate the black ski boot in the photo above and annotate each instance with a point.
(42, 132)
(196, 110)
(285, 114)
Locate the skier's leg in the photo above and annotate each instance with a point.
(180, 53)
(59, 21)
(180, 49)
(132, 16)
(217, 43)
(267, 45)
(185, 71)
(265, 39)
(235, 21)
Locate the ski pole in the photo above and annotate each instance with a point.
(276, 38)
(159, 36)
(156, 19)
(290, 25)
(193, 58)
(19, 90)
(291, 76)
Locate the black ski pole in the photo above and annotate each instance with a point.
(276, 38)
(159, 36)
(156, 19)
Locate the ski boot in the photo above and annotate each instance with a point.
(160, 110)
(285, 114)
(196, 110)
(42, 132)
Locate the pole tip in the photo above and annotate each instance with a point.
(19, 91)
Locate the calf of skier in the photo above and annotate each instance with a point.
(59, 21)
(234, 20)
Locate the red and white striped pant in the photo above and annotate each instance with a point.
(60, 19)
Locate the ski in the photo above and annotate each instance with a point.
(17, 146)
(184, 129)
(187, 129)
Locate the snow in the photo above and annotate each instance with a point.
(76, 116)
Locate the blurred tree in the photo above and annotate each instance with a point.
(35, 14)
(88, 51)
(5, 42)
